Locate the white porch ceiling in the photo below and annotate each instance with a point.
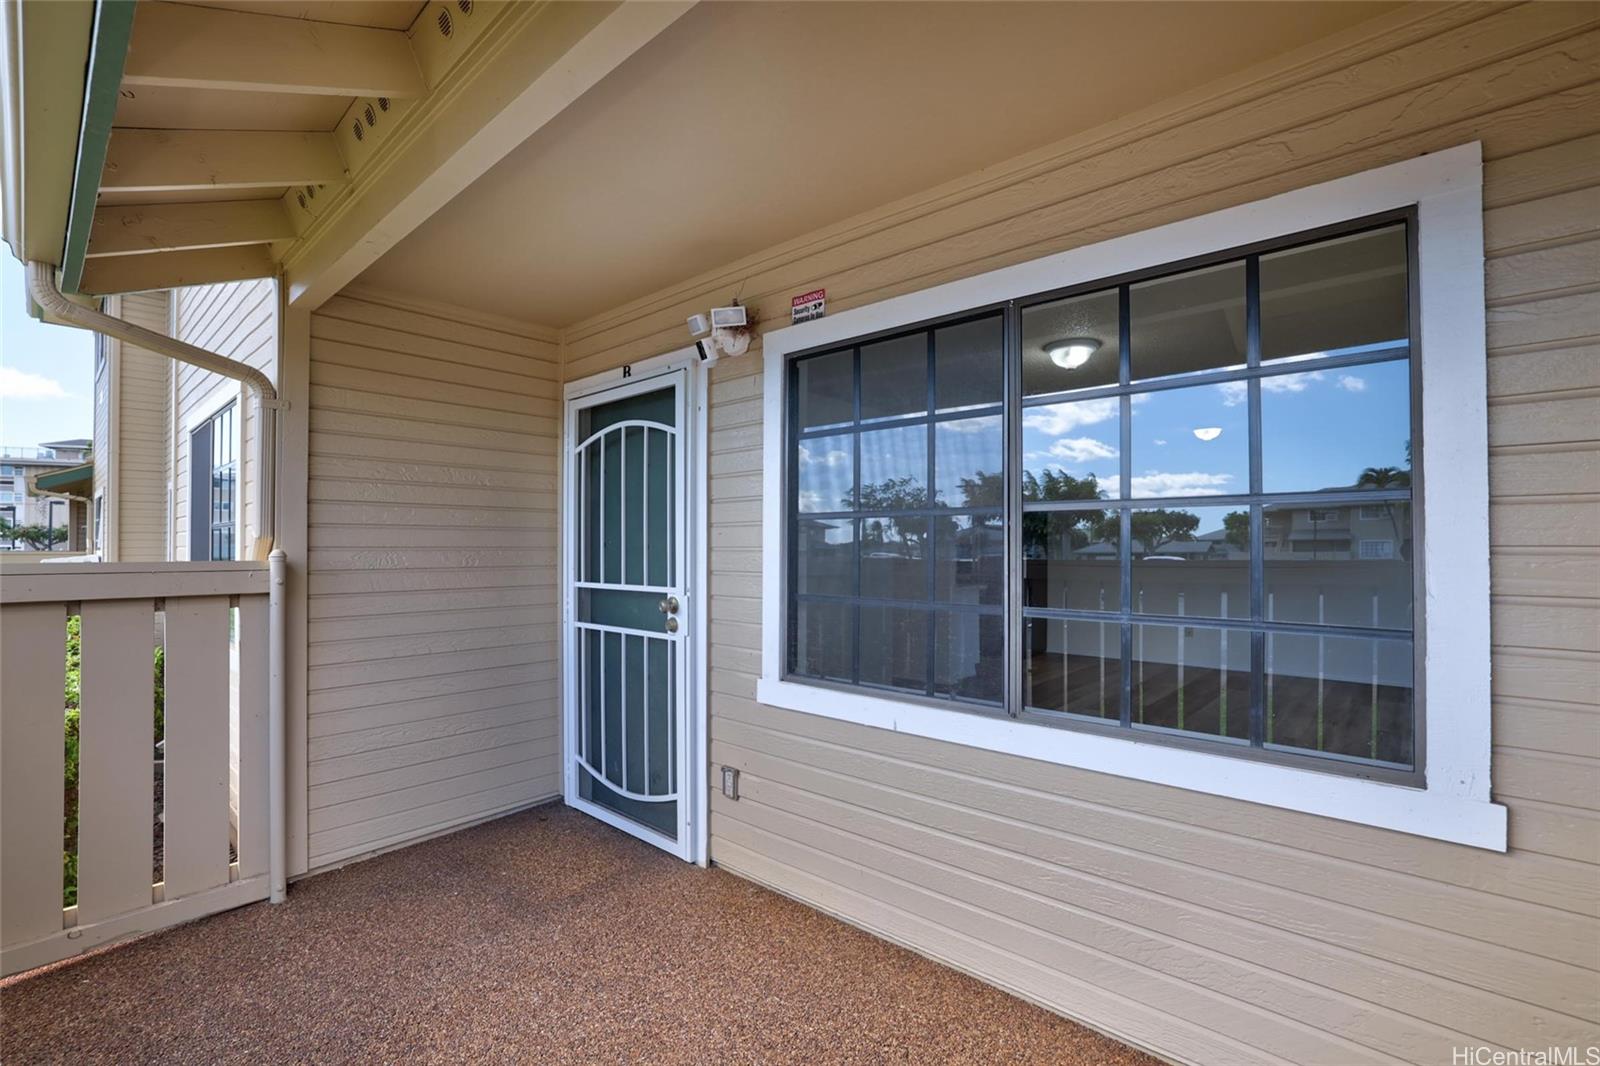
(745, 125)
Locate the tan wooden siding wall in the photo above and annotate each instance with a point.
(1209, 929)
(433, 695)
(239, 320)
(140, 495)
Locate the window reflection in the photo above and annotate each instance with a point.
(968, 653)
(1070, 450)
(894, 468)
(969, 454)
(894, 377)
(892, 554)
(821, 640)
(1191, 442)
(1335, 294)
(1071, 344)
(969, 364)
(826, 468)
(969, 559)
(1344, 565)
(1337, 429)
(1340, 695)
(1188, 322)
(1073, 667)
(825, 561)
(826, 388)
(1191, 561)
(1069, 560)
(894, 647)
(1192, 679)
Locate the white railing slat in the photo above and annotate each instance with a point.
(32, 762)
(196, 789)
(253, 786)
(116, 757)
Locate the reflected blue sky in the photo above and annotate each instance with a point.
(1320, 430)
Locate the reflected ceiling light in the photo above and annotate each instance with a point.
(1208, 432)
(1071, 353)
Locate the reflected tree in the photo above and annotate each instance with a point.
(1236, 529)
(1152, 530)
(1389, 477)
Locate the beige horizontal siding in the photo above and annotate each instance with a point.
(432, 640)
(239, 320)
(141, 445)
(1212, 930)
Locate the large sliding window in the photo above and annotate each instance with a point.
(1175, 505)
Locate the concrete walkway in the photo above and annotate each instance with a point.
(544, 937)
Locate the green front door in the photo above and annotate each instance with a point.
(626, 648)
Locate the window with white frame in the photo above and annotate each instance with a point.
(1324, 386)
(1156, 427)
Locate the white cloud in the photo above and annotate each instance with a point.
(1351, 383)
(1234, 393)
(1160, 483)
(1158, 440)
(20, 385)
(1060, 418)
(1080, 450)
(836, 457)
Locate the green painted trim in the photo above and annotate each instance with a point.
(61, 479)
(108, 52)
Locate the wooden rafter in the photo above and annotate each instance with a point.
(169, 270)
(130, 229)
(157, 160)
(178, 45)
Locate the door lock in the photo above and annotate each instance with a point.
(669, 605)
(671, 625)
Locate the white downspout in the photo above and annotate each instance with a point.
(42, 287)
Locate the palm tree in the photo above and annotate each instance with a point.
(1387, 477)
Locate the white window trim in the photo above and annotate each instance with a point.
(1455, 805)
(229, 391)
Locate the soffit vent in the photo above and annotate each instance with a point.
(446, 26)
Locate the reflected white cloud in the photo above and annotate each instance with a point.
(1164, 483)
(1076, 450)
(832, 457)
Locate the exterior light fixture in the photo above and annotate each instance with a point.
(1071, 353)
(1208, 432)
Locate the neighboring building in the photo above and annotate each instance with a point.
(1211, 758)
(25, 502)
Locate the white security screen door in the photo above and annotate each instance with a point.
(626, 610)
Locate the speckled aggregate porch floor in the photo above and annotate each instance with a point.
(544, 937)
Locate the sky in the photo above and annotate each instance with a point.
(46, 372)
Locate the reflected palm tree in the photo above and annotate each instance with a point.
(1388, 477)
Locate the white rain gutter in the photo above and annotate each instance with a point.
(42, 287)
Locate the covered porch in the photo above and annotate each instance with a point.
(541, 937)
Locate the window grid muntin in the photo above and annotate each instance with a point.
(1015, 402)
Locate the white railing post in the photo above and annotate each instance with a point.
(278, 567)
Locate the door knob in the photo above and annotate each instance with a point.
(671, 625)
(669, 605)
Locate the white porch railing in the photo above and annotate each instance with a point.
(216, 699)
